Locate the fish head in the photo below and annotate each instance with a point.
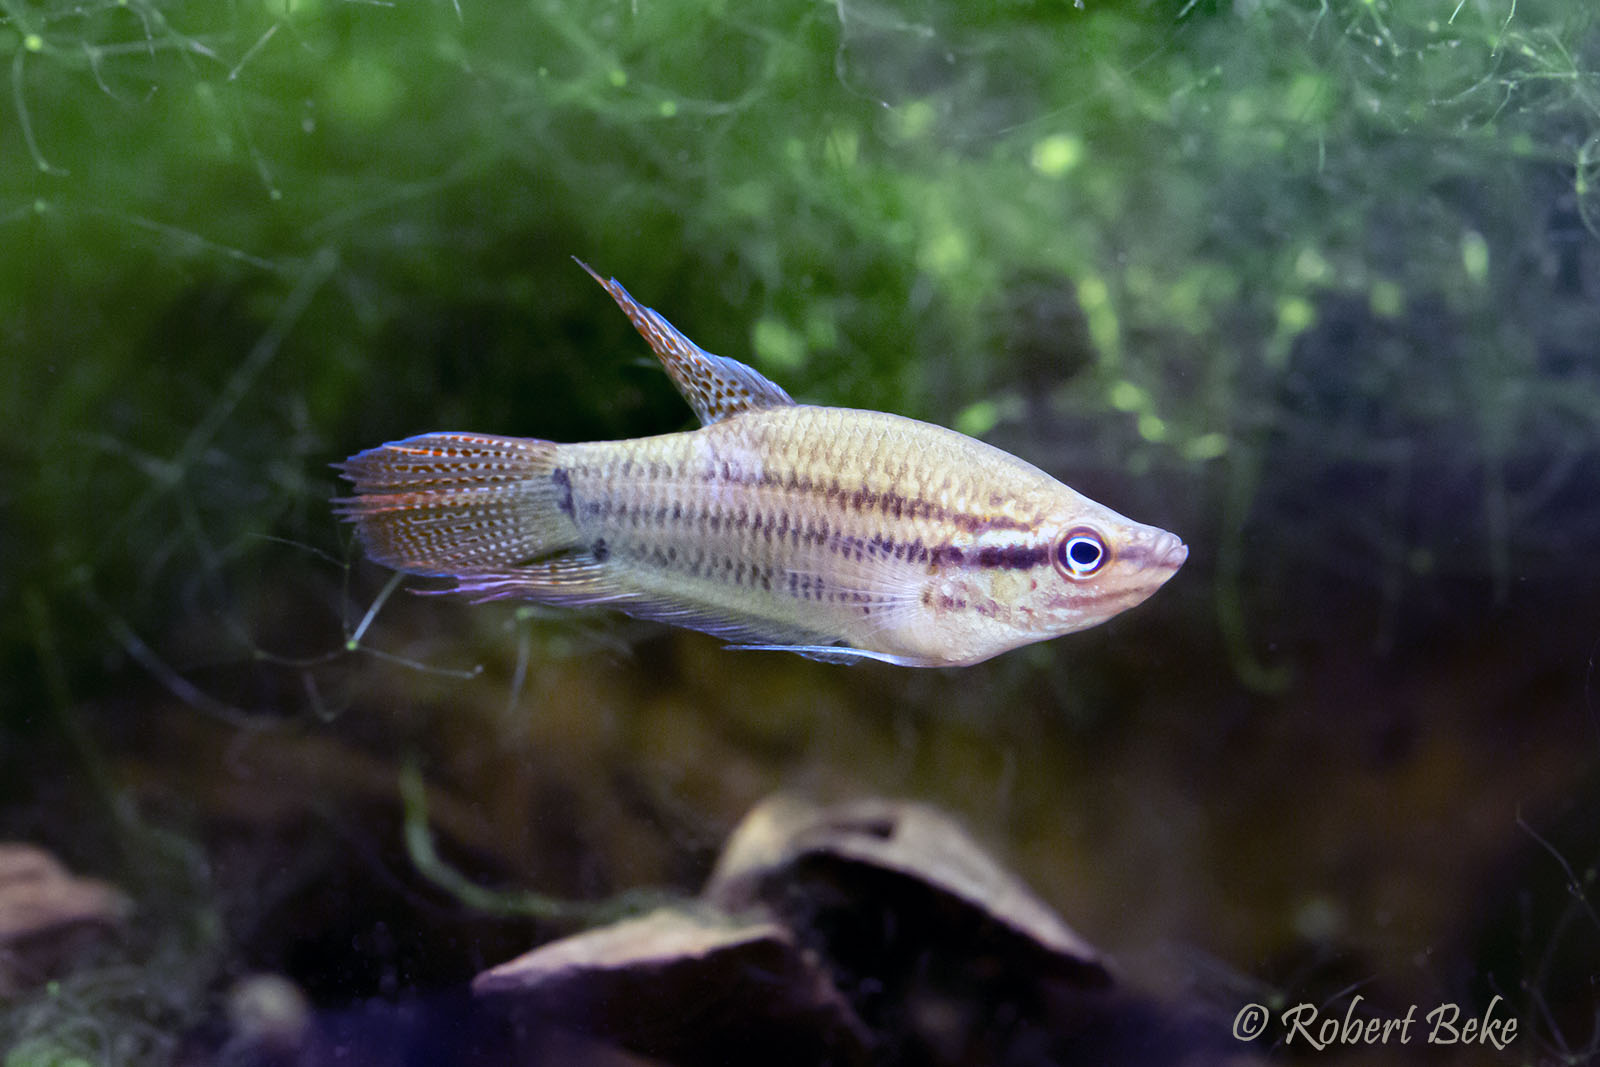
(1078, 564)
(1100, 565)
(1072, 565)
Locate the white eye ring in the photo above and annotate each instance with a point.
(1081, 554)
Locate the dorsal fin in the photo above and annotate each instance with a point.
(715, 386)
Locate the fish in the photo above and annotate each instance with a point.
(839, 534)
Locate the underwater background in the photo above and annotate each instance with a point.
(1315, 285)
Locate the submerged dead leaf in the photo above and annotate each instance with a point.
(687, 986)
(875, 931)
(915, 848)
(47, 914)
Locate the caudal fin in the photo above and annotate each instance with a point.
(454, 503)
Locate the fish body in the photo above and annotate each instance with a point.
(837, 533)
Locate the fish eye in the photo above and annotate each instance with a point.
(1081, 554)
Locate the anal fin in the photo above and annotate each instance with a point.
(841, 654)
(579, 580)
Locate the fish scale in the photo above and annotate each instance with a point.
(764, 501)
(836, 533)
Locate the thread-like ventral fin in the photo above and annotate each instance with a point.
(451, 503)
(715, 386)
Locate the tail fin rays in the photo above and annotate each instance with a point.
(452, 503)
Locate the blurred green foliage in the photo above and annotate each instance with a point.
(254, 236)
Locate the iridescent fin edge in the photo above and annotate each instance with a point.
(841, 654)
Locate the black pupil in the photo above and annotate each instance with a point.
(1083, 552)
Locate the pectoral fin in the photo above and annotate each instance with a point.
(715, 386)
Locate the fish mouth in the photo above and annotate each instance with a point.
(1162, 552)
(1168, 551)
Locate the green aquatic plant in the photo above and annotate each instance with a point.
(859, 186)
(508, 903)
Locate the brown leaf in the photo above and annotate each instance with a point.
(45, 913)
(903, 840)
(687, 986)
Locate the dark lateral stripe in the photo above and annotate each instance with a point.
(831, 492)
(1014, 557)
(889, 502)
(799, 529)
(848, 546)
(1009, 557)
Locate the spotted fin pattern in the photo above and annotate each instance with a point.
(443, 503)
(715, 386)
